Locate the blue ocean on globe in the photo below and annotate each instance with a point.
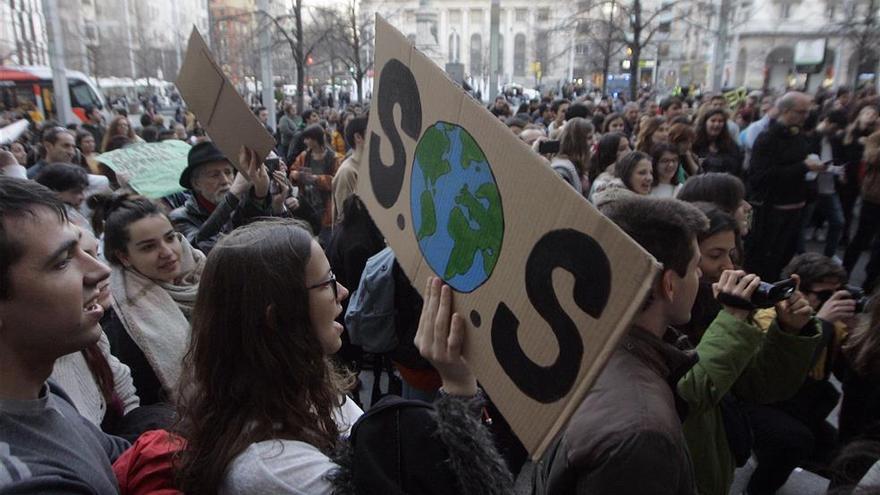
(456, 207)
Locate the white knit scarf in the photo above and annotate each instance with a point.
(156, 314)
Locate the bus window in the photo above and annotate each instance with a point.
(81, 95)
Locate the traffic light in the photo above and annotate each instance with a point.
(309, 60)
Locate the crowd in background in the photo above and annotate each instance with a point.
(228, 352)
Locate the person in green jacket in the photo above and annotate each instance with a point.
(738, 361)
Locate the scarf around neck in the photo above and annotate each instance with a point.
(156, 314)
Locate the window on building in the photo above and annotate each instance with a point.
(476, 54)
(522, 15)
(542, 48)
(830, 9)
(501, 54)
(785, 9)
(543, 15)
(519, 55)
(91, 33)
(454, 47)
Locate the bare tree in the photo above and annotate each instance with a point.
(624, 23)
(353, 36)
(145, 54)
(291, 28)
(599, 34)
(640, 26)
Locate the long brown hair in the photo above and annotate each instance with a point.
(724, 142)
(255, 369)
(113, 131)
(573, 143)
(647, 127)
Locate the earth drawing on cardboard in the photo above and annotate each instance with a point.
(457, 214)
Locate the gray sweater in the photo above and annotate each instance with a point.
(46, 447)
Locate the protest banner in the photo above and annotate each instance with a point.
(545, 283)
(221, 111)
(151, 169)
(735, 96)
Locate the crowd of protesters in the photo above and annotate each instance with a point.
(205, 342)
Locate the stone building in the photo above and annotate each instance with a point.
(536, 43)
(23, 39)
(763, 37)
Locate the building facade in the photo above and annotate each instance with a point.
(763, 37)
(535, 47)
(234, 40)
(23, 39)
(763, 46)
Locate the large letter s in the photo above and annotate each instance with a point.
(397, 85)
(583, 257)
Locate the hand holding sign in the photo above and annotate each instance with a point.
(544, 284)
(440, 339)
(254, 170)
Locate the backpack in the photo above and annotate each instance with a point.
(369, 318)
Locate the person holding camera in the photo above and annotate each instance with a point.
(797, 425)
(738, 361)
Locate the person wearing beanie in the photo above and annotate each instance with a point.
(221, 200)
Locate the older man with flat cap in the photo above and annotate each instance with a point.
(221, 200)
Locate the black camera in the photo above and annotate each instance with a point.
(858, 295)
(767, 295)
(548, 147)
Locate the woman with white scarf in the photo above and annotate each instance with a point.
(154, 283)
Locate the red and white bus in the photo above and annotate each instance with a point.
(29, 89)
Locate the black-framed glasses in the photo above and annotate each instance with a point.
(331, 281)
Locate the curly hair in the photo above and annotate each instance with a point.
(255, 369)
(113, 131)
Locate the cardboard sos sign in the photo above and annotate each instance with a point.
(546, 284)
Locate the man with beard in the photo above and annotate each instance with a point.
(221, 200)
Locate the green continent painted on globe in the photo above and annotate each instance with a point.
(456, 207)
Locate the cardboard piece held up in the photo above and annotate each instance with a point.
(220, 109)
(545, 283)
(152, 169)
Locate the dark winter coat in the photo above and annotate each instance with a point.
(777, 168)
(203, 230)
